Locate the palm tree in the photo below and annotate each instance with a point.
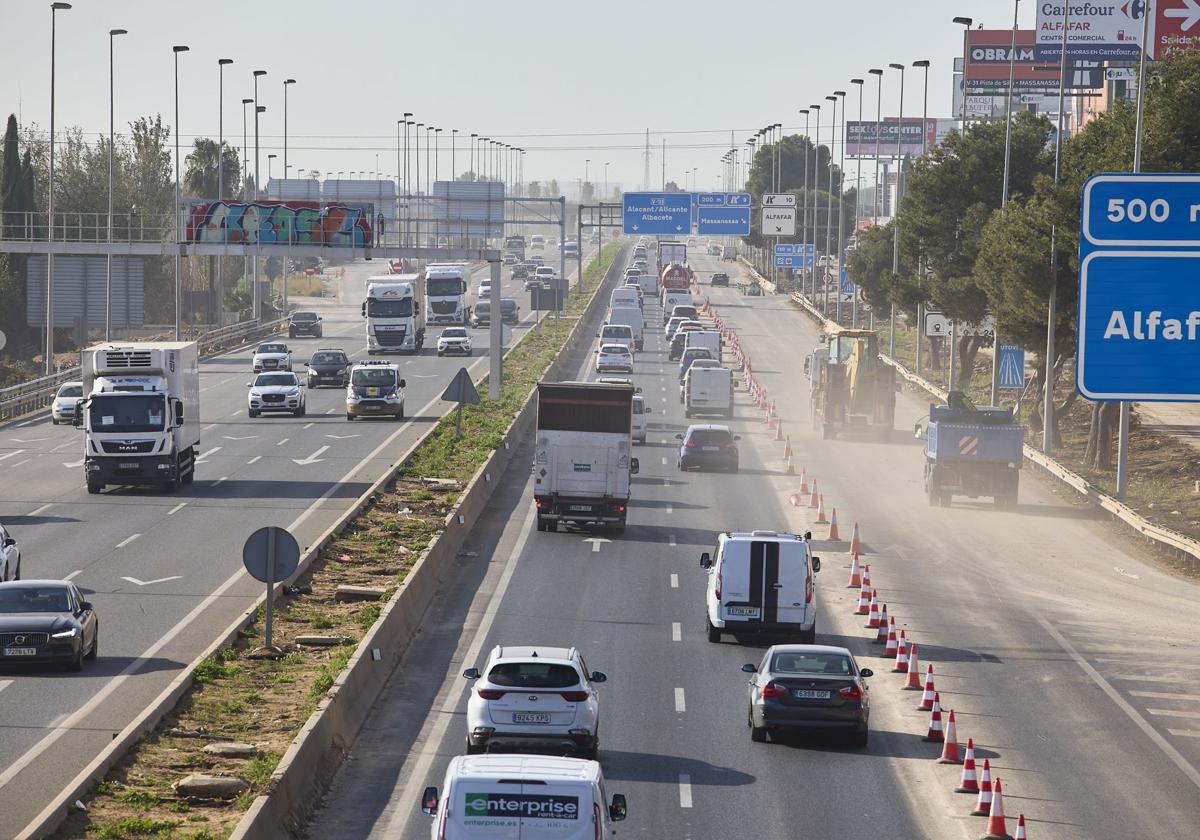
(200, 177)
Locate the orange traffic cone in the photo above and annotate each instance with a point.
(779, 431)
(855, 545)
(914, 670)
(884, 622)
(814, 497)
(1020, 835)
(803, 480)
(983, 804)
(787, 447)
(892, 645)
(864, 591)
(794, 500)
(902, 656)
(935, 720)
(821, 520)
(833, 529)
(790, 469)
(926, 704)
(855, 573)
(864, 602)
(950, 743)
(873, 612)
(996, 829)
(968, 783)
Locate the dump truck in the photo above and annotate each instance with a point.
(852, 390)
(972, 452)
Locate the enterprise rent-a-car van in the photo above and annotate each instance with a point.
(522, 797)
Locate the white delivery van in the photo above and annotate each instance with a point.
(707, 390)
(507, 797)
(623, 296)
(616, 334)
(648, 281)
(761, 582)
(631, 315)
(710, 340)
(673, 298)
(640, 410)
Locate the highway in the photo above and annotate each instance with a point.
(1060, 647)
(165, 571)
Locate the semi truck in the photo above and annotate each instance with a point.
(972, 452)
(852, 390)
(395, 314)
(140, 414)
(446, 293)
(671, 252)
(582, 454)
(515, 245)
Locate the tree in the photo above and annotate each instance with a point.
(16, 202)
(200, 173)
(587, 192)
(671, 186)
(792, 151)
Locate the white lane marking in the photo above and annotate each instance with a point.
(1186, 733)
(308, 425)
(1144, 678)
(29, 440)
(672, 541)
(137, 582)
(237, 437)
(209, 426)
(41, 510)
(664, 460)
(255, 458)
(28, 423)
(677, 635)
(207, 452)
(66, 445)
(11, 454)
(127, 540)
(237, 413)
(73, 574)
(332, 410)
(219, 480)
(1164, 695)
(1159, 741)
(666, 482)
(311, 459)
(674, 581)
(1173, 713)
(177, 508)
(5, 684)
(685, 790)
(680, 702)
(282, 442)
(20, 463)
(341, 437)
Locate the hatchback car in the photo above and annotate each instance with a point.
(720, 279)
(804, 688)
(520, 271)
(271, 355)
(485, 289)
(46, 621)
(534, 698)
(281, 391)
(708, 447)
(510, 312)
(454, 340)
(328, 366)
(62, 410)
(305, 323)
(10, 556)
(614, 357)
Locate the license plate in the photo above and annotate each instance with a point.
(580, 508)
(809, 694)
(711, 448)
(531, 717)
(127, 465)
(14, 651)
(747, 612)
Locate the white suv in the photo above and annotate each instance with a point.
(454, 340)
(540, 698)
(281, 391)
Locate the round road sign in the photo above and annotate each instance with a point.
(271, 554)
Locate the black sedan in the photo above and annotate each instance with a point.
(328, 366)
(808, 688)
(46, 621)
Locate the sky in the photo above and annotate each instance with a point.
(567, 81)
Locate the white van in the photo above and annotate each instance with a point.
(623, 296)
(631, 315)
(649, 283)
(707, 390)
(710, 340)
(673, 298)
(505, 797)
(761, 582)
(616, 334)
(640, 410)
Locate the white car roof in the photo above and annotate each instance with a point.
(532, 767)
(502, 653)
(614, 348)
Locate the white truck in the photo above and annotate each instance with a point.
(446, 293)
(141, 414)
(582, 462)
(394, 313)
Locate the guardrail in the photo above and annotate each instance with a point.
(37, 394)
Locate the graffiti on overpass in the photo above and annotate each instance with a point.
(280, 223)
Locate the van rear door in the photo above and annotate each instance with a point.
(754, 587)
(793, 583)
(559, 810)
(483, 809)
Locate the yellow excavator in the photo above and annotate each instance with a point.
(852, 390)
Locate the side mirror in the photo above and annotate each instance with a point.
(816, 564)
(866, 672)
(737, 437)
(77, 420)
(619, 808)
(679, 437)
(918, 430)
(9, 541)
(249, 384)
(599, 676)
(179, 411)
(647, 409)
(807, 535)
(364, 309)
(706, 560)
(403, 384)
(429, 802)
(634, 466)
(85, 606)
(472, 673)
(749, 668)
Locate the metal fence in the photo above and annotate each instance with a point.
(26, 226)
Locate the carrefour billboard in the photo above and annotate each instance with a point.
(1100, 30)
(987, 65)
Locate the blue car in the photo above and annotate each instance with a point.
(690, 355)
(708, 447)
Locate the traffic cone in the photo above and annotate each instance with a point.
(914, 670)
(983, 803)
(967, 783)
(901, 655)
(864, 602)
(790, 469)
(884, 621)
(1020, 835)
(803, 480)
(873, 612)
(926, 704)
(892, 645)
(794, 500)
(996, 829)
(787, 447)
(950, 743)
(864, 589)
(813, 499)
(935, 720)
(855, 545)
(833, 529)
(821, 520)
(855, 573)
(779, 431)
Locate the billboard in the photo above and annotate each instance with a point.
(80, 288)
(987, 67)
(1174, 27)
(916, 135)
(279, 223)
(1098, 30)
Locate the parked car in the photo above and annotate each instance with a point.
(47, 621)
(708, 447)
(62, 410)
(804, 688)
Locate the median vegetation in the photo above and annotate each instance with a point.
(243, 709)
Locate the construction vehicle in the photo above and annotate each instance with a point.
(972, 452)
(852, 390)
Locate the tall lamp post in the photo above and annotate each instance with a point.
(857, 198)
(837, 296)
(55, 8)
(407, 190)
(896, 214)
(453, 154)
(966, 23)
(804, 217)
(829, 204)
(255, 296)
(112, 33)
(816, 109)
(877, 204)
(924, 63)
(245, 146)
(286, 84)
(178, 214)
(1012, 66)
(219, 303)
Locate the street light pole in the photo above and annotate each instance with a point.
(407, 191)
(896, 218)
(829, 203)
(1052, 304)
(837, 299)
(178, 215)
(804, 218)
(453, 154)
(1012, 63)
(857, 199)
(878, 197)
(112, 33)
(245, 146)
(817, 185)
(286, 84)
(924, 150)
(55, 8)
(966, 25)
(255, 296)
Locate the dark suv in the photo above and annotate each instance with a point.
(720, 279)
(708, 447)
(305, 323)
(328, 366)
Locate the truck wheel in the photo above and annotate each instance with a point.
(541, 523)
(713, 633)
(933, 493)
(93, 489)
(617, 528)
(170, 486)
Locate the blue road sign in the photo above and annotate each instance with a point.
(722, 199)
(727, 221)
(794, 249)
(1139, 303)
(1012, 366)
(794, 261)
(653, 213)
(844, 283)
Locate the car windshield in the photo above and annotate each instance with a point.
(508, 305)
(710, 437)
(374, 376)
(454, 332)
(304, 316)
(328, 359)
(389, 308)
(71, 391)
(808, 662)
(127, 412)
(445, 286)
(618, 332)
(693, 353)
(30, 599)
(533, 675)
(269, 380)
(272, 348)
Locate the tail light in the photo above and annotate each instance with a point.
(808, 589)
(730, 445)
(773, 689)
(575, 696)
(689, 444)
(537, 503)
(619, 508)
(596, 821)
(719, 581)
(490, 693)
(850, 692)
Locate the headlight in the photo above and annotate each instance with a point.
(293, 392)
(313, 372)
(66, 634)
(255, 395)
